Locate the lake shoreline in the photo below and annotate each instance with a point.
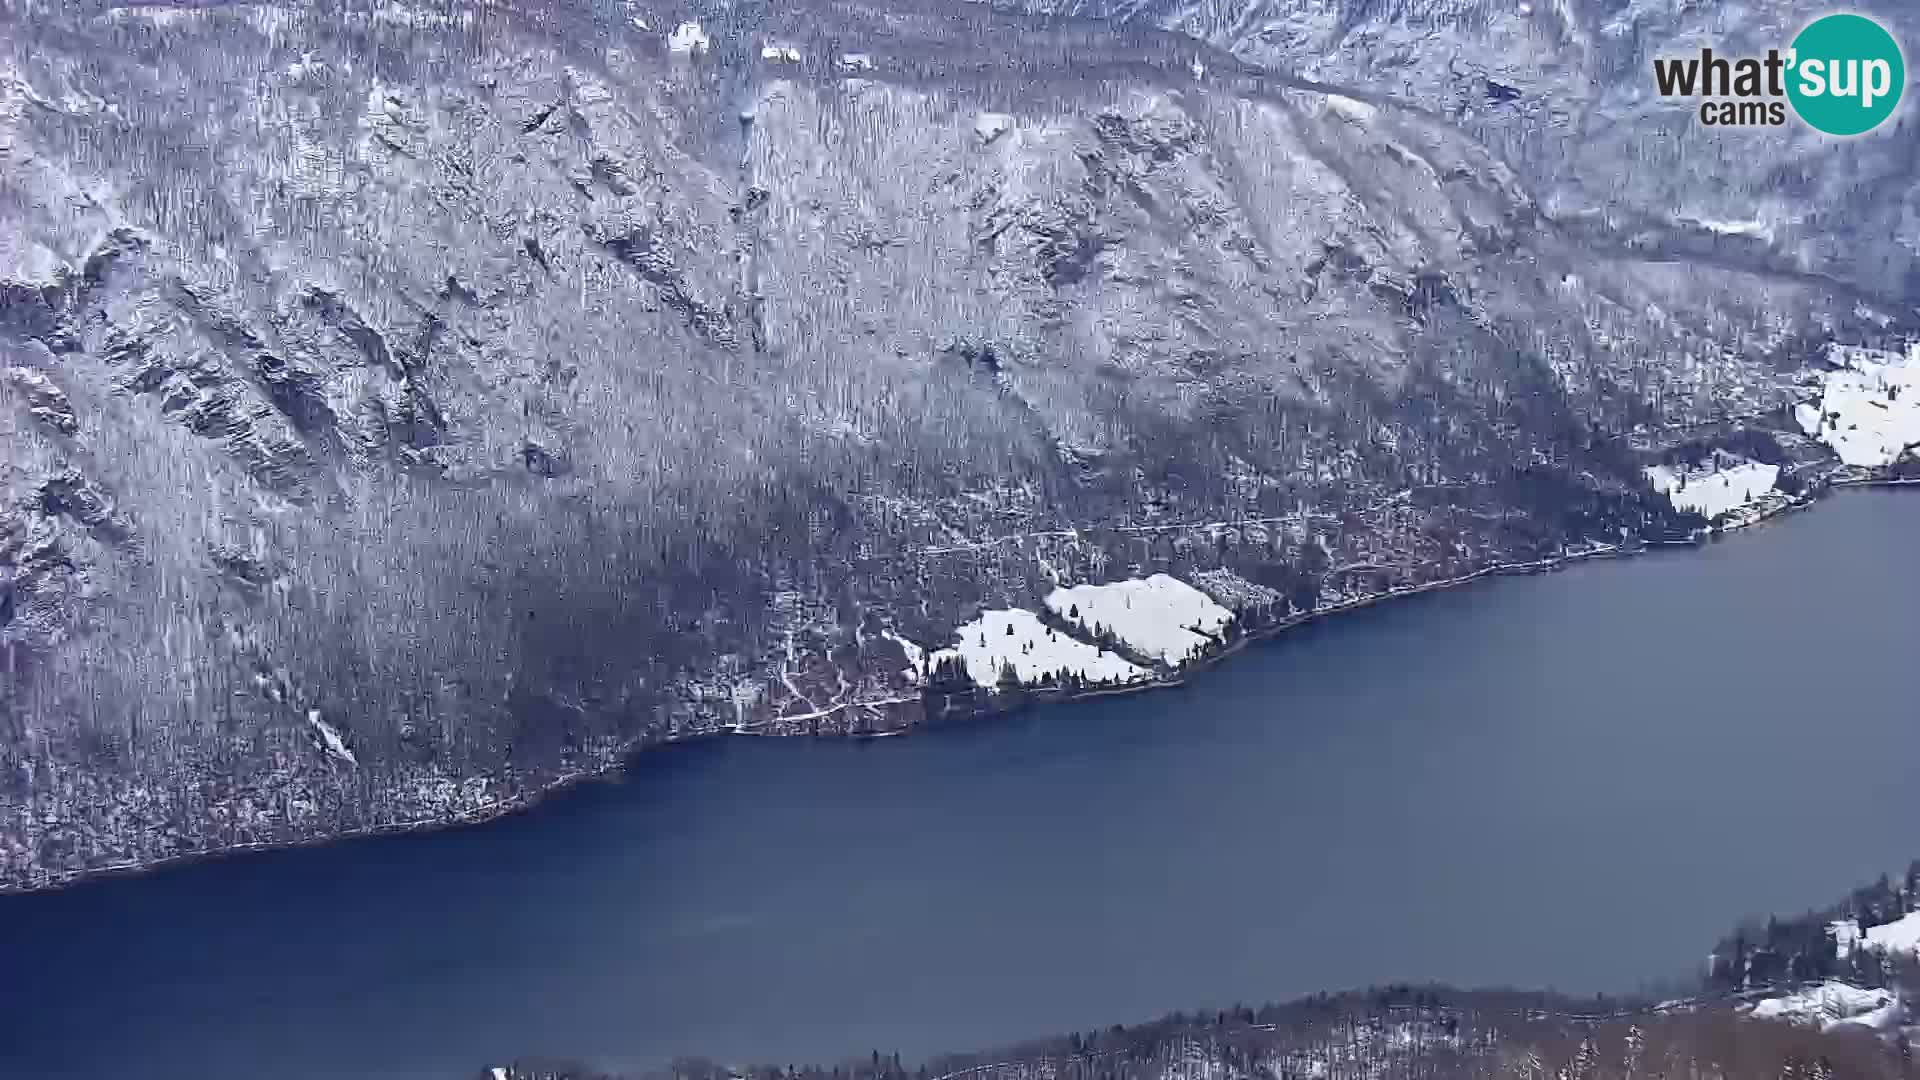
(619, 760)
(992, 881)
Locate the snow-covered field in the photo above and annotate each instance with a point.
(1727, 485)
(1160, 616)
(1829, 1005)
(1017, 636)
(1868, 410)
(1901, 935)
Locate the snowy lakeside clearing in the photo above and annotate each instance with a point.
(1725, 485)
(1015, 638)
(1160, 617)
(1900, 936)
(1868, 411)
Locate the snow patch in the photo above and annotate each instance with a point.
(1728, 484)
(1885, 1018)
(1160, 616)
(688, 37)
(1868, 410)
(1845, 934)
(1828, 1005)
(1901, 935)
(330, 738)
(1351, 109)
(1756, 228)
(1018, 637)
(989, 126)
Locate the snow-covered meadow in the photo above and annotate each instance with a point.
(1868, 410)
(1160, 616)
(1016, 636)
(1901, 935)
(1726, 485)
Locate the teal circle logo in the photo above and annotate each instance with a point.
(1846, 74)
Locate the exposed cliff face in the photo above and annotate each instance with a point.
(405, 410)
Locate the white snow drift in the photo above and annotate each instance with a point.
(1160, 616)
(1868, 410)
(1358, 111)
(1728, 484)
(1018, 637)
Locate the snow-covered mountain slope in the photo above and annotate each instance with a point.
(1563, 91)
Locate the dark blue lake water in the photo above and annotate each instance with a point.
(1578, 780)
